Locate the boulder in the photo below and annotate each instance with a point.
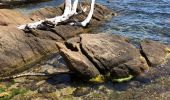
(108, 53)
(155, 52)
(113, 54)
(78, 62)
(20, 49)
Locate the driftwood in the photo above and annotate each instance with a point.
(70, 10)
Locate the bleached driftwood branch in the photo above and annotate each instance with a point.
(70, 10)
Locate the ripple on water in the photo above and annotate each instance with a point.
(140, 19)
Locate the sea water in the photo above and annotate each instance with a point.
(136, 19)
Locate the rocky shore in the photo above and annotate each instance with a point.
(92, 57)
(20, 49)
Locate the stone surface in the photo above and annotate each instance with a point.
(153, 85)
(11, 17)
(78, 62)
(156, 53)
(20, 49)
(108, 53)
(113, 54)
(81, 91)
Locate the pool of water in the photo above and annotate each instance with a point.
(137, 19)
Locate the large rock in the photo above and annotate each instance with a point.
(156, 53)
(19, 49)
(78, 62)
(108, 53)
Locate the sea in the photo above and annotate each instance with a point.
(136, 19)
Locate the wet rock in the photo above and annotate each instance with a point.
(59, 79)
(81, 91)
(108, 53)
(155, 52)
(46, 89)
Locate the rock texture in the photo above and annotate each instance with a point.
(78, 62)
(11, 17)
(156, 53)
(108, 53)
(19, 49)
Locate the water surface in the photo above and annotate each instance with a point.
(140, 19)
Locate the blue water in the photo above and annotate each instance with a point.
(140, 19)
(137, 19)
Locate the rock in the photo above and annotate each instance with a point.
(108, 53)
(111, 53)
(62, 31)
(78, 62)
(81, 91)
(11, 17)
(18, 49)
(155, 53)
(46, 89)
(45, 35)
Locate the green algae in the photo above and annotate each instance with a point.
(120, 80)
(6, 92)
(98, 79)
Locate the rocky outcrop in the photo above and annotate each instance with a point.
(18, 49)
(107, 53)
(155, 52)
